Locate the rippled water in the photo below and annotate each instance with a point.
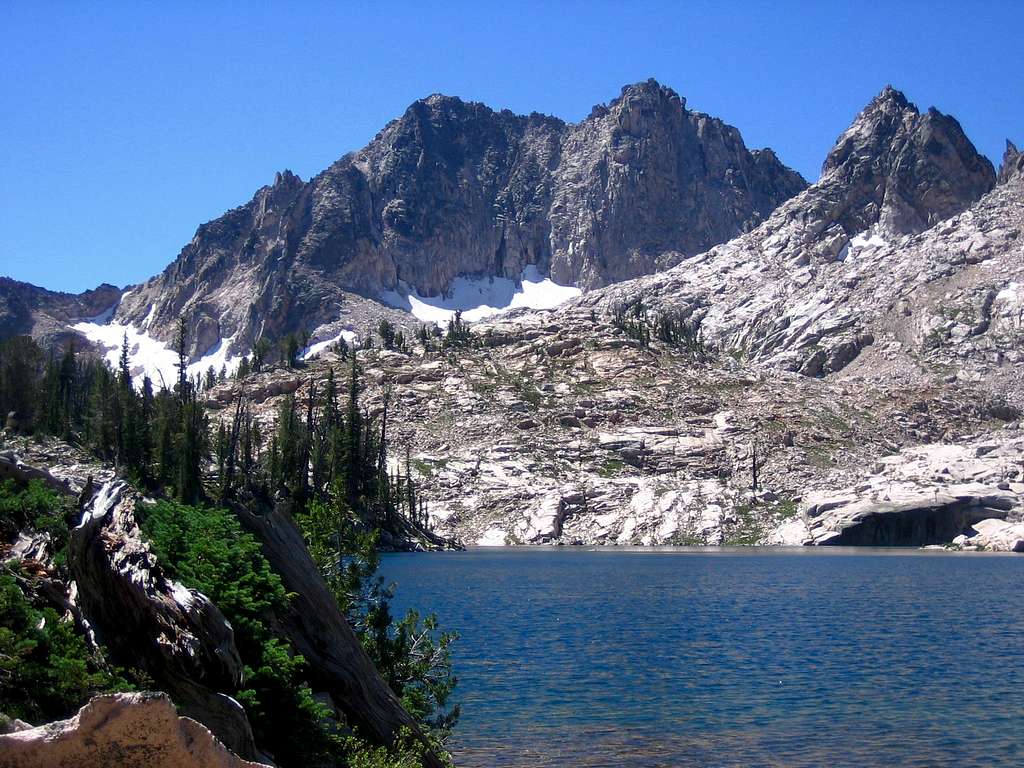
(675, 657)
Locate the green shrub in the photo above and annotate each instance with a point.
(37, 507)
(205, 548)
(46, 669)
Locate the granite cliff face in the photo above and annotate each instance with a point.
(809, 289)
(454, 188)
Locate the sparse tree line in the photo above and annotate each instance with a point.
(323, 442)
(675, 330)
(325, 457)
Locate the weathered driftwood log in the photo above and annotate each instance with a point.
(316, 627)
(174, 633)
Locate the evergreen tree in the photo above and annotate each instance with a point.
(386, 331)
(181, 347)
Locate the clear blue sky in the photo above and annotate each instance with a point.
(123, 126)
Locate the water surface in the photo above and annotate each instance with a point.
(750, 657)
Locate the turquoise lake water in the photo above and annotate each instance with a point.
(687, 657)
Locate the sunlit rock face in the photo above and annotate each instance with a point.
(455, 189)
(904, 208)
(127, 730)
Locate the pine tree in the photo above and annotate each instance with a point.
(181, 347)
(123, 366)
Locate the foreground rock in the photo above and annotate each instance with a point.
(125, 730)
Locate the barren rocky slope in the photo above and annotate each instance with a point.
(562, 429)
(860, 352)
(454, 188)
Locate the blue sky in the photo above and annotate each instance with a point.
(123, 126)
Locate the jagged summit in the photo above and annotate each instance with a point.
(453, 188)
(648, 89)
(1013, 163)
(804, 291)
(902, 170)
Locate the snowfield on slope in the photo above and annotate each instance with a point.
(149, 357)
(481, 297)
(316, 347)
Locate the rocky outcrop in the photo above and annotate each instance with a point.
(1013, 163)
(454, 188)
(45, 315)
(901, 214)
(931, 494)
(993, 535)
(126, 730)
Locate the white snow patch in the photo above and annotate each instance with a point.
(1012, 292)
(866, 239)
(494, 537)
(152, 358)
(316, 347)
(480, 297)
(149, 318)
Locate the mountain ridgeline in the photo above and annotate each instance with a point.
(453, 188)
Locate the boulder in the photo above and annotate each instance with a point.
(124, 730)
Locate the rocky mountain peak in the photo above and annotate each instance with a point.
(1013, 163)
(649, 91)
(286, 180)
(453, 188)
(904, 171)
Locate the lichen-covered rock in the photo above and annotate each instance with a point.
(124, 730)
